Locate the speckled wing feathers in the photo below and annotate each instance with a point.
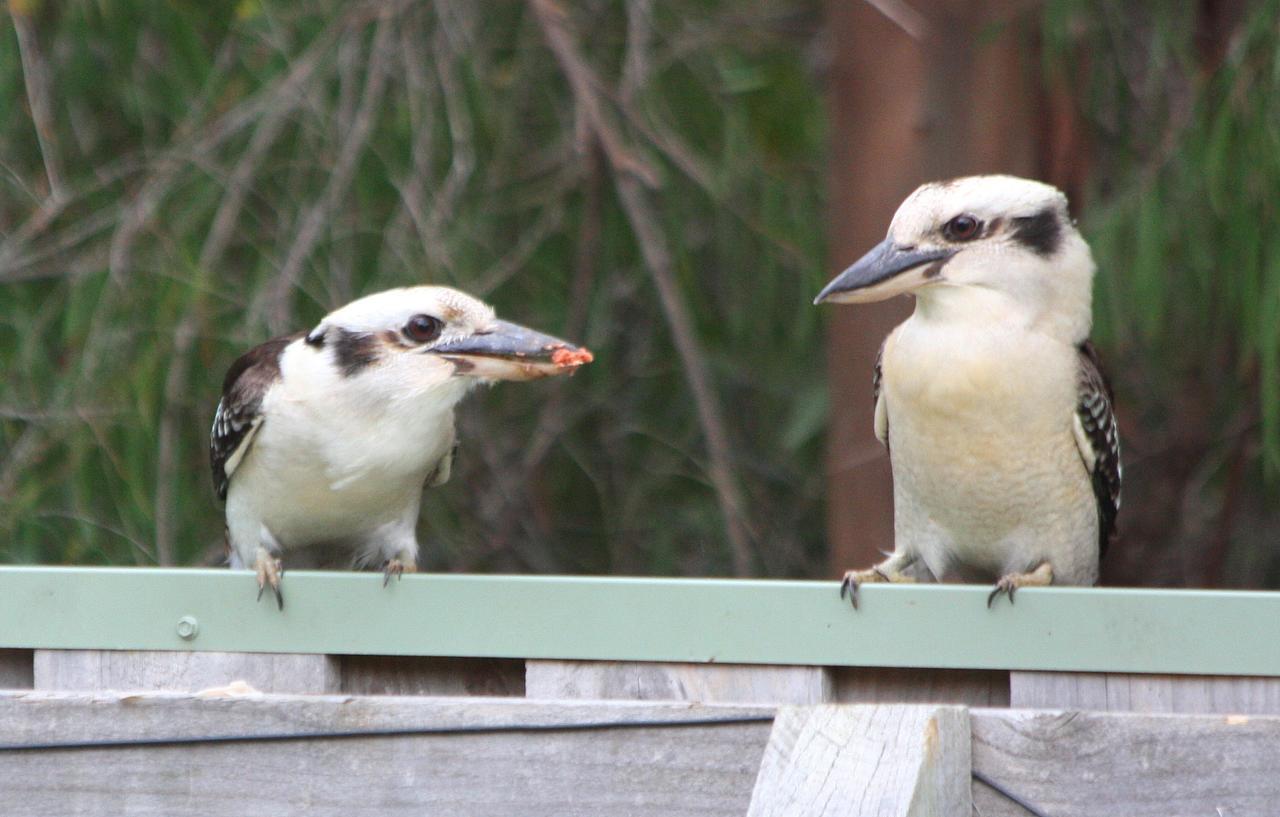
(1098, 421)
(239, 411)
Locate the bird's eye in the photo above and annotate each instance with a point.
(963, 227)
(423, 328)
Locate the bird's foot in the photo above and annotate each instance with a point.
(269, 570)
(853, 579)
(1009, 583)
(397, 568)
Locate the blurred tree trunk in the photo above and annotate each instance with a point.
(944, 89)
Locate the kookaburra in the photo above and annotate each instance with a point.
(990, 398)
(328, 436)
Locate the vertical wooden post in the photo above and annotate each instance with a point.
(885, 760)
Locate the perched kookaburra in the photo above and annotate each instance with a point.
(329, 436)
(989, 398)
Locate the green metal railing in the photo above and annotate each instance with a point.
(728, 621)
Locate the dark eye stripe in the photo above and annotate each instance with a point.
(1041, 233)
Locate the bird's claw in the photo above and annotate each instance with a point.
(848, 585)
(398, 569)
(1006, 585)
(854, 578)
(1009, 583)
(269, 571)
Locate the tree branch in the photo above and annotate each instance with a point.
(278, 311)
(35, 73)
(629, 174)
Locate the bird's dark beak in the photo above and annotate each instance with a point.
(509, 351)
(882, 273)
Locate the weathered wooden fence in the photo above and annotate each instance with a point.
(173, 692)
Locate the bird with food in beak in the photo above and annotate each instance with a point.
(990, 398)
(329, 436)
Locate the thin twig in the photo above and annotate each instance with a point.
(287, 95)
(672, 147)
(551, 420)
(657, 256)
(33, 415)
(462, 157)
(278, 309)
(339, 284)
(20, 269)
(142, 555)
(51, 208)
(420, 98)
(175, 388)
(166, 174)
(901, 14)
(29, 446)
(628, 176)
(583, 84)
(549, 221)
(35, 73)
(639, 30)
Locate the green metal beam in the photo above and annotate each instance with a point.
(728, 621)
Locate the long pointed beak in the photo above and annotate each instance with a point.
(880, 274)
(509, 351)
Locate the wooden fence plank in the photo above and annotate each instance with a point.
(673, 772)
(1073, 764)
(135, 670)
(711, 683)
(409, 675)
(868, 761)
(1120, 692)
(15, 669)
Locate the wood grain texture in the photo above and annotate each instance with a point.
(673, 772)
(1073, 764)
(409, 675)
(709, 683)
(15, 669)
(870, 761)
(911, 685)
(1120, 692)
(137, 670)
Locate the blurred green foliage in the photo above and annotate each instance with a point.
(1182, 105)
(203, 159)
(206, 175)
(1187, 193)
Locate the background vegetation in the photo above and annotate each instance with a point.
(202, 176)
(1181, 103)
(181, 180)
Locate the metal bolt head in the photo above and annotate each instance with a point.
(188, 628)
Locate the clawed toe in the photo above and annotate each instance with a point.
(854, 579)
(1009, 583)
(397, 568)
(269, 572)
(882, 573)
(849, 586)
(1007, 586)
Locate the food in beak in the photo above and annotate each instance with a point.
(508, 351)
(567, 358)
